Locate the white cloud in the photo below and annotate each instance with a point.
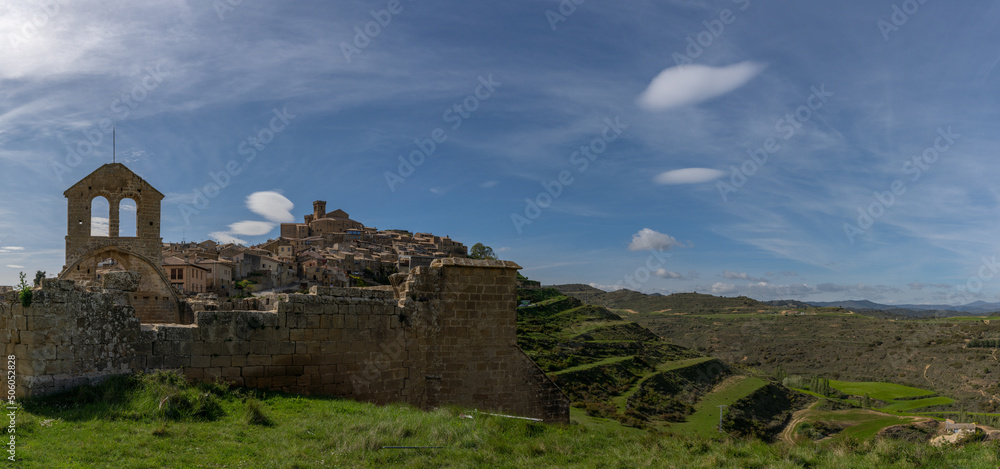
(272, 206)
(224, 237)
(741, 276)
(689, 84)
(10, 248)
(688, 176)
(437, 191)
(251, 228)
(606, 287)
(651, 239)
(489, 184)
(99, 226)
(12, 266)
(664, 273)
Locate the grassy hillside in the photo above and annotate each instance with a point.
(924, 353)
(614, 368)
(122, 425)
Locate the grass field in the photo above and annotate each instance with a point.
(705, 420)
(881, 391)
(123, 427)
(864, 424)
(908, 405)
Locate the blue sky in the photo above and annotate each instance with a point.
(492, 101)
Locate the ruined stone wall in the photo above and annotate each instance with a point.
(444, 334)
(478, 314)
(67, 338)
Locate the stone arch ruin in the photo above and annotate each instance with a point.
(155, 300)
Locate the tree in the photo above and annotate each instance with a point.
(482, 251)
(39, 276)
(246, 287)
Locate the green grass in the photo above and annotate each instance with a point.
(908, 405)
(117, 429)
(863, 424)
(620, 401)
(705, 419)
(678, 364)
(587, 366)
(881, 391)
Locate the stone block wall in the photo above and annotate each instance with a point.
(67, 338)
(444, 334)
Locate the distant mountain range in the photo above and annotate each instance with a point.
(976, 308)
(642, 302)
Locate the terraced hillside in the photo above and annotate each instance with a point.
(614, 368)
(838, 345)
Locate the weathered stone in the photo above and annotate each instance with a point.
(124, 281)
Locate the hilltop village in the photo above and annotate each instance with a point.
(326, 249)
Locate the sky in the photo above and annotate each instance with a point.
(779, 150)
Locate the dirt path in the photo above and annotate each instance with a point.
(788, 434)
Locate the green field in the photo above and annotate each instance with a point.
(861, 424)
(908, 405)
(120, 426)
(880, 391)
(705, 420)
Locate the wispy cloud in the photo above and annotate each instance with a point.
(741, 276)
(99, 226)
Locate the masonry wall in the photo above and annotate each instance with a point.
(67, 338)
(444, 334)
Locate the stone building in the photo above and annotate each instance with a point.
(154, 300)
(320, 223)
(442, 334)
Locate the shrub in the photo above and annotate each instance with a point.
(255, 413)
(26, 293)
